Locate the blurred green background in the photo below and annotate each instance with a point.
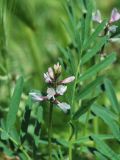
(32, 31)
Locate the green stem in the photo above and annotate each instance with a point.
(21, 148)
(70, 151)
(50, 131)
(74, 86)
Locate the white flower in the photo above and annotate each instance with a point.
(36, 96)
(96, 16)
(47, 78)
(68, 80)
(61, 89)
(50, 93)
(64, 106)
(51, 73)
(113, 28)
(114, 40)
(115, 15)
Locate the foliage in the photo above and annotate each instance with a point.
(91, 130)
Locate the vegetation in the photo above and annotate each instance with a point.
(43, 114)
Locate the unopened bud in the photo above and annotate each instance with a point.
(68, 80)
(51, 73)
(57, 68)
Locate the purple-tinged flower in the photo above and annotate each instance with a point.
(47, 78)
(68, 80)
(51, 73)
(64, 106)
(37, 97)
(96, 16)
(115, 15)
(56, 88)
(61, 89)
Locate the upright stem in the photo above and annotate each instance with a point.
(70, 151)
(50, 131)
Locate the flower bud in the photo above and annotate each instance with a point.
(51, 73)
(57, 68)
(68, 80)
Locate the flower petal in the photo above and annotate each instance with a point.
(50, 93)
(47, 78)
(64, 106)
(51, 73)
(36, 96)
(61, 89)
(96, 16)
(113, 28)
(115, 15)
(68, 80)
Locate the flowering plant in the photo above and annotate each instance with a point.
(115, 16)
(56, 88)
(33, 130)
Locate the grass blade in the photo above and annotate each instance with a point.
(14, 104)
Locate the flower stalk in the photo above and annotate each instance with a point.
(50, 131)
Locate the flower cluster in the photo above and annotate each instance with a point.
(115, 16)
(56, 88)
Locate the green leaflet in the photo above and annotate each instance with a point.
(64, 52)
(103, 148)
(6, 149)
(111, 95)
(100, 156)
(106, 117)
(95, 34)
(98, 67)
(93, 51)
(84, 108)
(40, 114)
(86, 138)
(89, 88)
(88, 19)
(14, 104)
